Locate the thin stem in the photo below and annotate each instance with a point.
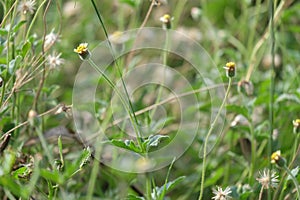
(272, 87)
(296, 145)
(293, 179)
(167, 179)
(33, 20)
(8, 50)
(131, 53)
(165, 58)
(253, 153)
(263, 39)
(207, 137)
(134, 121)
(261, 193)
(112, 85)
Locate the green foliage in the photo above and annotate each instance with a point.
(37, 72)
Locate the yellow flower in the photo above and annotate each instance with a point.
(276, 158)
(83, 51)
(230, 69)
(296, 124)
(166, 20)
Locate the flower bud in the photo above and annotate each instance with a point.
(277, 159)
(166, 20)
(296, 124)
(230, 69)
(32, 117)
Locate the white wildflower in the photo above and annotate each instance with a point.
(221, 194)
(27, 6)
(267, 179)
(54, 60)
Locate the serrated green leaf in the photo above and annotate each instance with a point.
(85, 157)
(127, 144)
(153, 141)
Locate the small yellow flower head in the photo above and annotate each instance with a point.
(166, 20)
(296, 124)
(83, 51)
(277, 159)
(230, 69)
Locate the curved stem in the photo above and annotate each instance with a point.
(207, 137)
(261, 193)
(127, 107)
(131, 110)
(293, 179)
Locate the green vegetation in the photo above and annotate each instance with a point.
(47, 151)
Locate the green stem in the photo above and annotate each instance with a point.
(135, 121)
(112, 85)
(165, 59)
(33, 20)
(293, 179)
(207, 137)
(272, 85)
(296, 145)
(253, 154)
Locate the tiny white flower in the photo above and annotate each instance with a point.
(221, 194)
(27, 6)
(267, 179)
(50, 39)
(54, 60)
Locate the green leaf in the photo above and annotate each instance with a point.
(295, 172)
(9, 183)
(84, 157)
(25, 48)
(214, 177)
(242, 110)
(3, 31)
(18, 26)
(7, 164)
(153, 141)
(127, 144)
(169, 186)
(54, 176)
(134, 197)
(288, 97)
(13, 64)
(133, 3)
